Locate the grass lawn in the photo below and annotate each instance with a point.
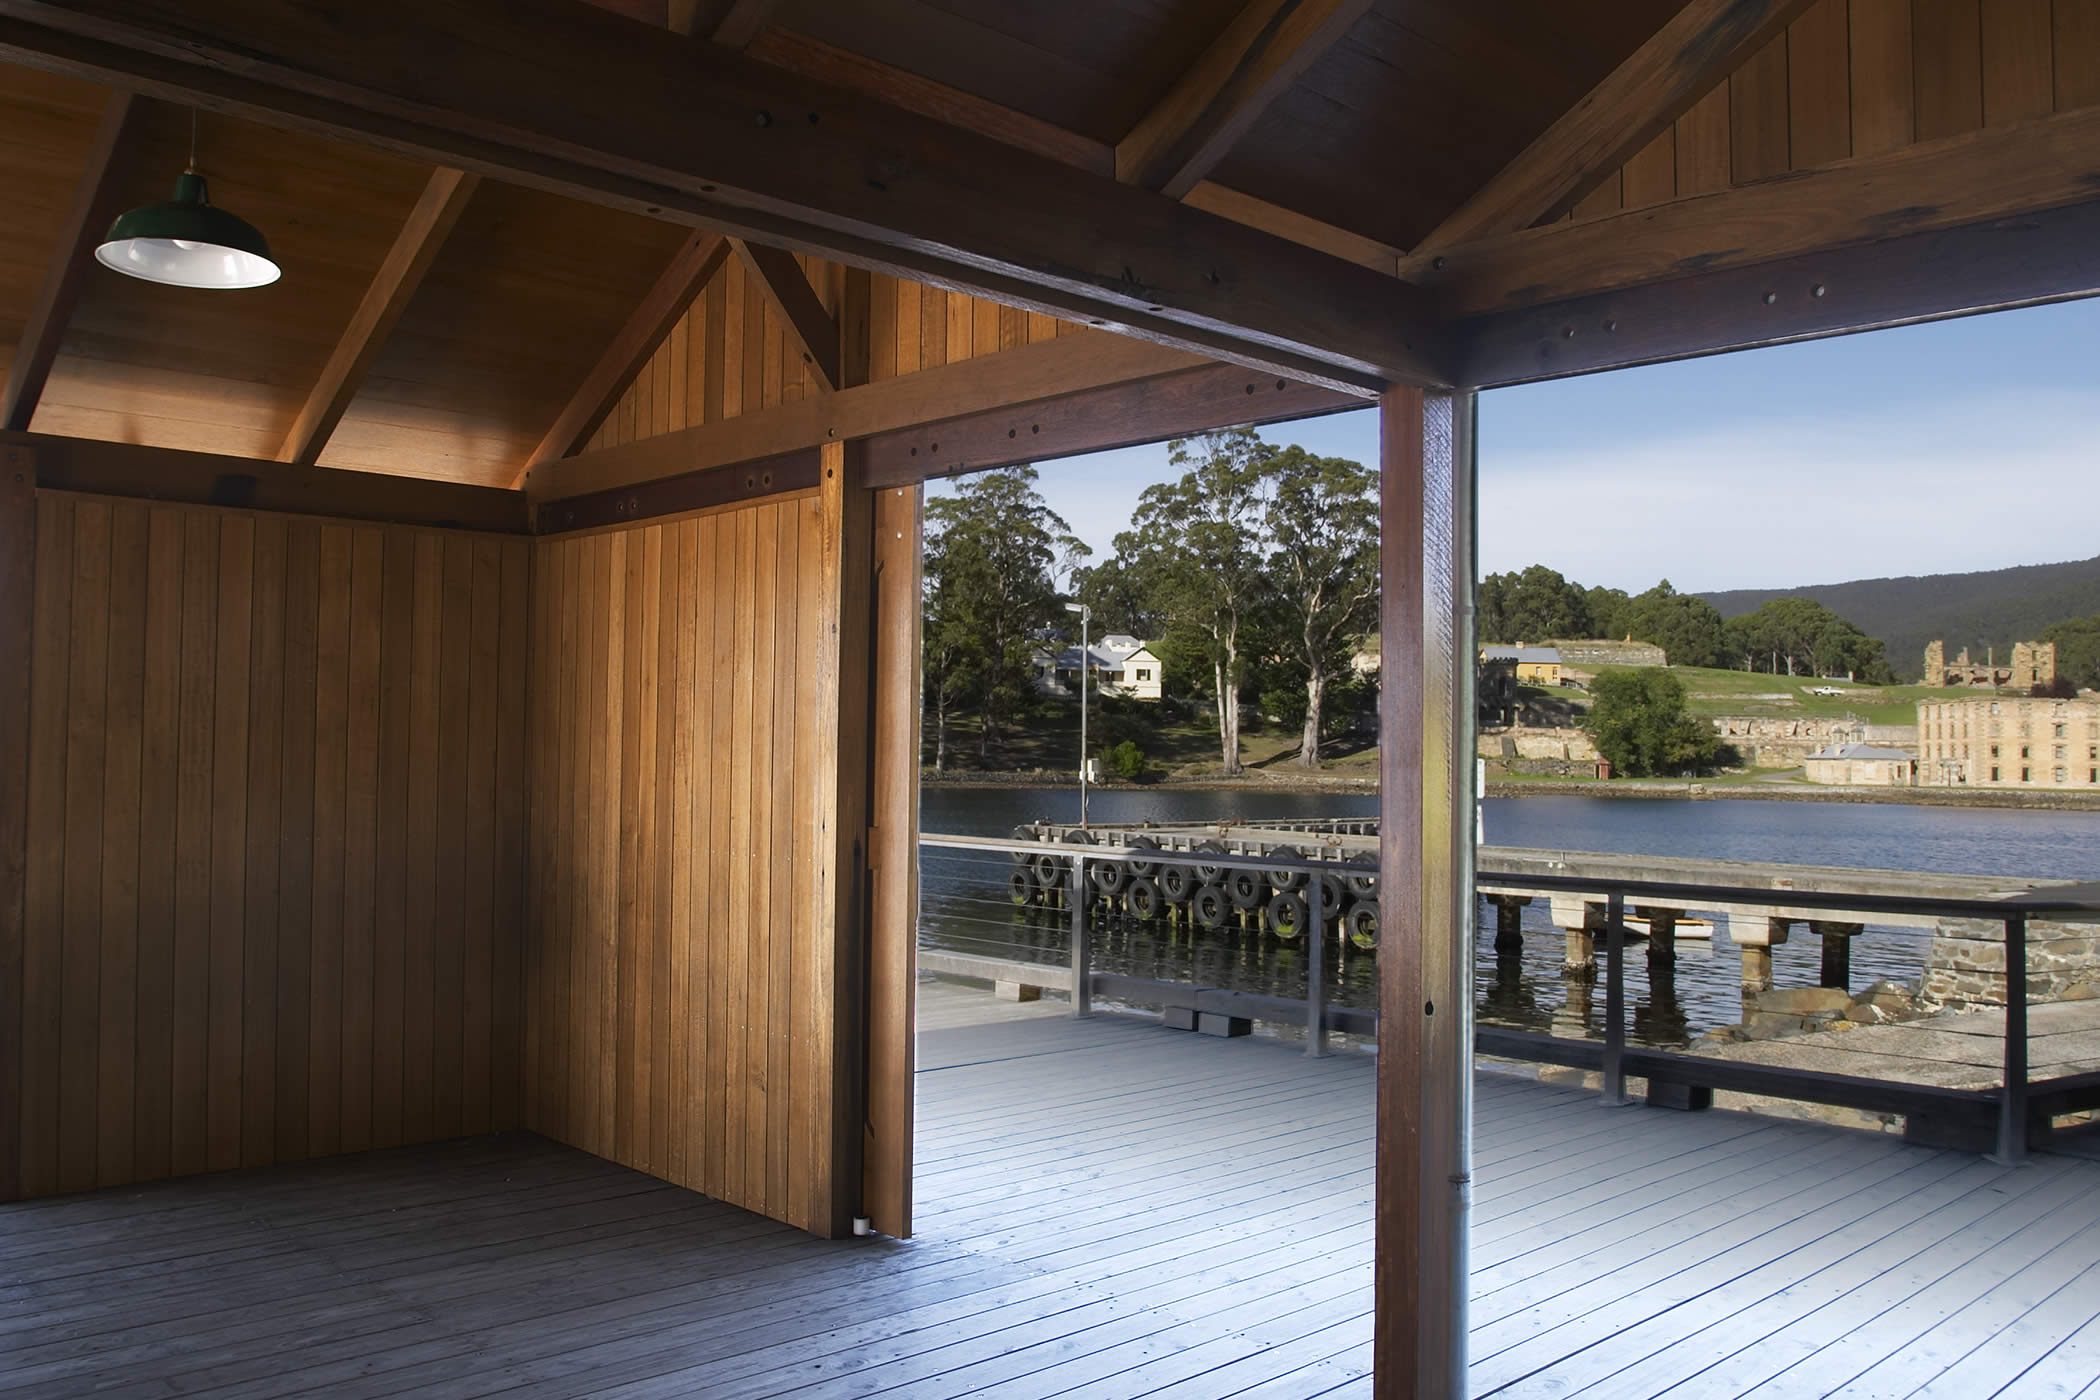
(1717, 692)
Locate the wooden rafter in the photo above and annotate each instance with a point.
(802, 317)
(1069, 364)
(1980, 175)
(692, 133)
(1259, 54)
(415, 248)
(96, 201)
(1699, 47)
(689, 270)
(741, 22)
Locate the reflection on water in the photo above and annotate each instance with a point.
(966, 906)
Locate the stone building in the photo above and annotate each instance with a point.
(2018, 742)
(2033, 664)
(1860, 765)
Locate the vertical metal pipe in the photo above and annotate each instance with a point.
(1082, 951)
(1315, 971)
(2012, 1096)
(1615, 998)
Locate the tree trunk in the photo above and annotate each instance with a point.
(940, 737)
(1227, 737)
(1315, 696)
(1229, 697)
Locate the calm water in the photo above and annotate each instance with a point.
(965, 904)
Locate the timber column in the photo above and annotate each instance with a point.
(1425, 716)
(17, 612)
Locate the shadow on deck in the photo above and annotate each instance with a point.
(1106, 1209)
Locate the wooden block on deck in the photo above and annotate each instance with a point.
(1016, 991)
(1179, 1018)
(1218, 1023)
(1689, 1097)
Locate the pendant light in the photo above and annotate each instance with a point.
(187, 241)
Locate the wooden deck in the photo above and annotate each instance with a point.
(1107, 1209)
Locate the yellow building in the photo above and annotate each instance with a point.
(1535, 665)
(2009, 742)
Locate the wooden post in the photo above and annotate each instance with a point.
(893, 844)
(842, 771)
(17, 595)
(1425, 1001)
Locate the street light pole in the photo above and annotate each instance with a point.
(1086, 659)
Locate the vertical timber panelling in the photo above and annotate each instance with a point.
(690, 990)
(219, 919)
(17, 637)
(1856, 78)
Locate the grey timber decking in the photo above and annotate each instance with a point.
(1107, 1210)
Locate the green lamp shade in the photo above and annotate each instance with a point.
(188, 243)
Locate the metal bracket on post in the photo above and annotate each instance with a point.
(1082, 953)
(1615, 999)
(2012, 1095)
(1315, 972)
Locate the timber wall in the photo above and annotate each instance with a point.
(276, 816)
(679, 987)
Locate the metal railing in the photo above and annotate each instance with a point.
(2012, 1116)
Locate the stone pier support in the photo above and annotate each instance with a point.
(1757, 938)
(1509, 921)
(1662, 935)
(1837, 952)
(1580, 919)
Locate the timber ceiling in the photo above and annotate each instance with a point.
(1440, 142)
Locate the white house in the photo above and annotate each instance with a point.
(1122, 665)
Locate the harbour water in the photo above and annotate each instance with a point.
(965, 907)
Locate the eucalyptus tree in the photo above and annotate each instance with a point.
(993, 552)
(1322, 524)
(1199, 546)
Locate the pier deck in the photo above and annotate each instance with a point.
(1107, 1209)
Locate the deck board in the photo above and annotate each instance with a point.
(1108, 1211)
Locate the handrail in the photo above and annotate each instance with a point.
(2015, 1098)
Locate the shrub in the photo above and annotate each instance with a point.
(1126, 760)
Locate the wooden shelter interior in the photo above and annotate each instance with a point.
(471, 683)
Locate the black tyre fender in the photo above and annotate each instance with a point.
(1361, 923)
(1147, 869)
(1288, 915)
(1178, 883)
(1210, 906)
(1244, 888)
(1286, 880)
(1146, 902)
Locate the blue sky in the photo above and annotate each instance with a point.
(1964, 444)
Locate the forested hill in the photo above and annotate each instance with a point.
(1990, 609)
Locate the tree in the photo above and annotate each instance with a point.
(1799, 636)
(1196, 544)
(1639, 724)
(1117, 595)
(2077, 650)
(1323, 527)
(1607, 611)
(1688, 629)
(1532, 606)
(992, 550)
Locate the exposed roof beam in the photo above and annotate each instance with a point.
(812, 58)
(1965, 179)
(2025, 260)
(205, 478)
(96, 201)
(687, 132)
(415, 248)
(1699, 47)
(690, 267)
(741, 22)
(1069, 364)
(1260, 53)
(802, 317)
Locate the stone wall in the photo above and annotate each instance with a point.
(1773, 741)
(1966, 964)
(1521, 743)
(1608, 653)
